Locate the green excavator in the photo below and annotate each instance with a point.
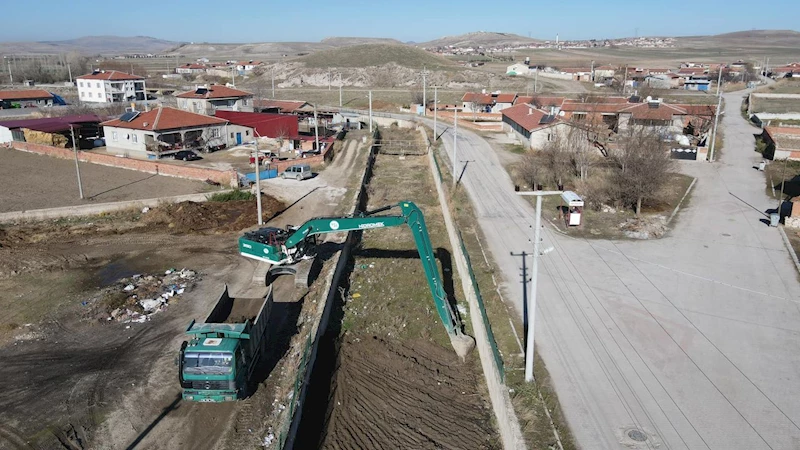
(217, 362)
(294, 244)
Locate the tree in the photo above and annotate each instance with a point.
(530, 169)
(584, 155)
(643, 166)
(557, 160)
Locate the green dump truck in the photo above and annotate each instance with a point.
(217, 362)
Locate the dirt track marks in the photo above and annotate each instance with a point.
(414, 395)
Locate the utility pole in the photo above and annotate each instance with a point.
(716, 118)
(783, 183)
(370, 112)
(435, 109)
(316, 128)
(535, 81)
(258, 179)
(340, 89)
(525, 280)
(233, 79)
(624, 80)
(77, 167)
(10, 75)
(69, 71)
(424, 90)
(534, 279)
(273, 82)
(455, 145)
(591, 71)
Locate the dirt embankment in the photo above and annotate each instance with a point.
(405, 394)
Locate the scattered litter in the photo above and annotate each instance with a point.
(356, 295)
(462, 310)
(152, 295)
(145, 209)
(268, 440)
(645, 227)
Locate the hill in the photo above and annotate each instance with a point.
(348, 41)
(744, 39)
(367, 55)
(479, 39)
(92, 45)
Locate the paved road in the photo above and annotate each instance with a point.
(692, 339)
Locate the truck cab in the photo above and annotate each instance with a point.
(216, 363)
(213, 368)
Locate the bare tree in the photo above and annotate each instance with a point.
(643, 166)
(557, 160)
(584, 154)
(531, 169)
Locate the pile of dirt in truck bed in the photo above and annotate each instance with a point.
(412, 394)
(213, 217)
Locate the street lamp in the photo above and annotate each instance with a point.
(534, 278)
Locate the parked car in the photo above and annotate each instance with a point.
(186, 155)
(298, 172)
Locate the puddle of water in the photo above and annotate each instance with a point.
(126, 267)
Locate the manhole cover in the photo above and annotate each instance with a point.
(637, 435)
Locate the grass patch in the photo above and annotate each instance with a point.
(231, 196)
(517, 149)
(783, 86)
(786, 173)
(507, 328)
(775, 105)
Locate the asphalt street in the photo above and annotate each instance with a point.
(691, 339)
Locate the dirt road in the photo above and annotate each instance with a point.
(35, 182)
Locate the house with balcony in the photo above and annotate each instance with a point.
(110, 86)
(164, 131)
(207, 100)
(25, 99)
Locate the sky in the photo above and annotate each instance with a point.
(405, 20)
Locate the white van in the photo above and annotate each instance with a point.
(298, 172)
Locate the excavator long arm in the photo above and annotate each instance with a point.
(289, 249)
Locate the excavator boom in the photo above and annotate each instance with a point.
(288, 247)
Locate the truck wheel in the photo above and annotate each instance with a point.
(298, 177)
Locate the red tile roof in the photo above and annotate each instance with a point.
(505, 98)
(591, 107)
(285, 106)
(110, 75)
(542, 101)
(192, 66)
(523, 99)
(477, 97)
(528, 117)
(165, 118)
(30, 94)
(653, 111)
(214, 91)
(785, 138)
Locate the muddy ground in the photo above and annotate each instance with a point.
(75, 379)
(32, 181)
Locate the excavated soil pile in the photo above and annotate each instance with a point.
(211, 216)
(412, 394)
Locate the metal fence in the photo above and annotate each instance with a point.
(498, 358)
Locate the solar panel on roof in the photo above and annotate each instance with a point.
(547, 119)
(128, 116)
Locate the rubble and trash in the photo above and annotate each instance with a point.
(652, 227)
(141, 295)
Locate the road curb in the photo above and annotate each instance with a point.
(789, 247)
(678, 206)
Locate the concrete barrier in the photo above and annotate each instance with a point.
(507, 422)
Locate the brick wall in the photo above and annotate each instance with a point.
(224, 177)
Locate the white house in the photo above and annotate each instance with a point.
(110, 86)
(246, 66)
(206, 100)
(164, 131)
(534, 127)
(191, 69)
